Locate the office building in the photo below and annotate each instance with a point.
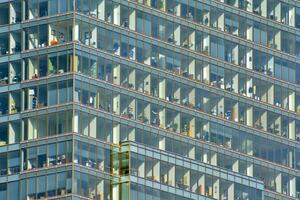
(150, 99)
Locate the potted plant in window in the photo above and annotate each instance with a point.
(175, 126)
(161, 5)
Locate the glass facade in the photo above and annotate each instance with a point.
(150, 99)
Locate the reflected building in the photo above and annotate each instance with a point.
(152, 99)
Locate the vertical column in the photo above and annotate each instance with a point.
(206, 74)
(141, 169)
(177, 93)
(249, 87)
(162, 61)
(93, 39)
(22, 72)
(191, 131)
(278, 11)
(249, 59)
(32, 129)
(292, 15)
(214, 158)
(75, 33)
(192, 153)
(156, 171)
(147, 2)
(177, 33)
(221, 21)
(278, 183)
(235, 83)
(11, 74)
(235, 55)
(292, 129)
(93, 127)
(171, 176)
(235, 166)
(270, 69)
(292, 98)
(293, 186)
(177, 124)
(192, 70)
(117, 12)
(250, 169)
(116, 133)
(147, 84)
(115, 191)
(101, 10)
(192, 40)
(147, 113)
(216, 189)
(263, 8)
(162, 89)
(187, 178)
(201, 183)
(205, 156)
(177, 9)
(11, 134)
(278, 40)
(132, 79)
(132, 21)
(116, 104)
(75, 123)
(162, 143)
(131, 135)
(206, 42)
(264, 93)
(116, 74)
(73, 63)
(162, 118)
(132, 109)
(249, 4)
(12, 14)
(206, 18)
(231, 192)
(291, 158)
(278, 125)
(235, 112)
(270, 99)
(12, 43)
(264, 119)
(220, 107)
(192, 97)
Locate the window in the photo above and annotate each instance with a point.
(53, 6)
(12, 190)
(3, 191)
(13, 162)
(52, 94)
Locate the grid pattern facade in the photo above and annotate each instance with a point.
(150, 99)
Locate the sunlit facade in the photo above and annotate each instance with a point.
(150, 99)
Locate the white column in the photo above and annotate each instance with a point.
(162, 143)
(101, 10)
(117, 10)
(278, 183)
(249, 59)
(292, 100)
(292, 130)
(293, 186)
(263, 6)
(93, 127)
(177, 35)
(132, 21)
(250, 169)
(216, 189)
(292, 15)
